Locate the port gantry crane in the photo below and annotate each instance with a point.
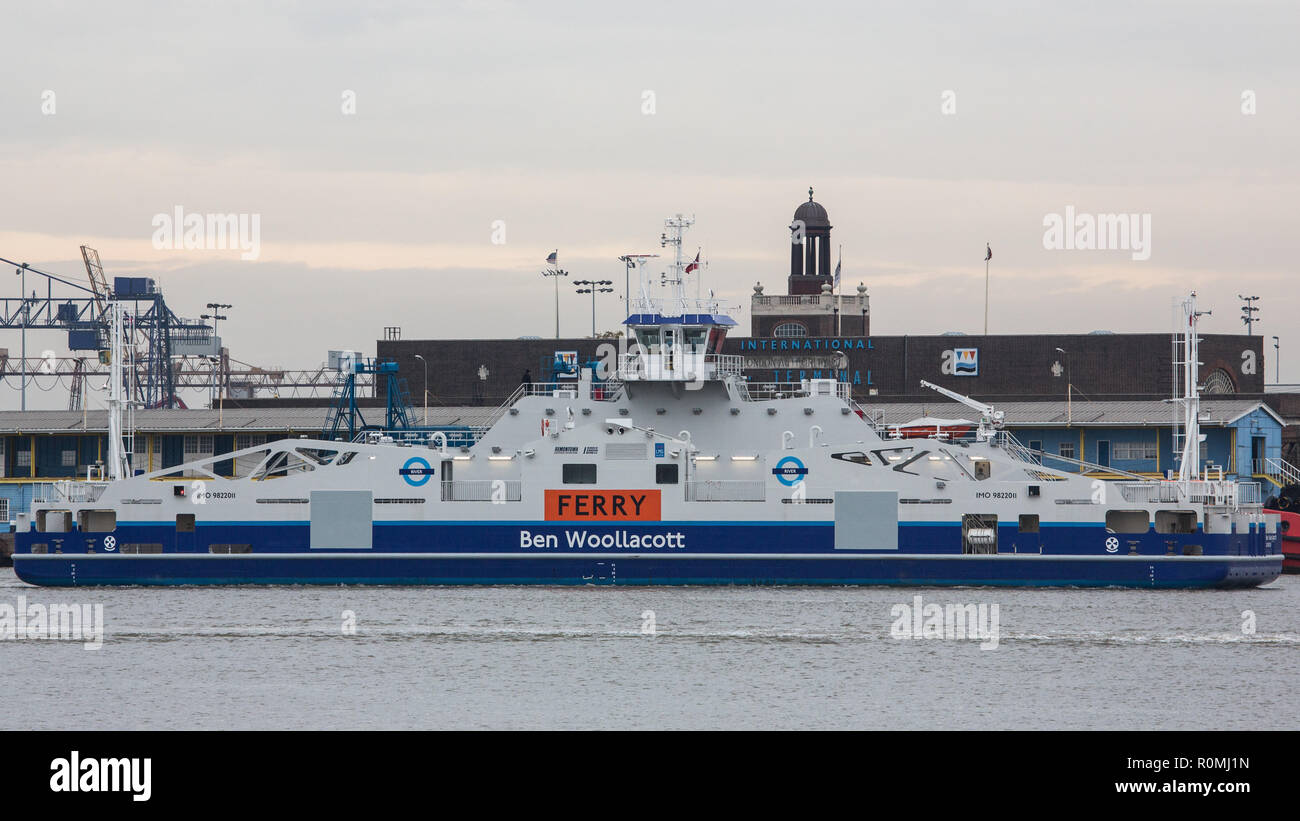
(154, 329)
(169, 353)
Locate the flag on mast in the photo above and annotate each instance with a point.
(839, 315)
(553, 257)
(988, 252)
(696, 264)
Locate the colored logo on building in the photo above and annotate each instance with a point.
(603, 506)
(789, 471)
(566, 365)
(960, 362)
(416, 471)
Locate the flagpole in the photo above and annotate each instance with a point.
(839, 297)
(987, 257)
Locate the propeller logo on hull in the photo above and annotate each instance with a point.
(789, 471)
(416, 471)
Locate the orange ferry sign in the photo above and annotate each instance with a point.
(602, 506)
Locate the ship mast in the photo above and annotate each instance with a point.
(117, 458)
(673, 236)
(1190, 398)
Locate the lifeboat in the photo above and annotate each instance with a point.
(928, 426)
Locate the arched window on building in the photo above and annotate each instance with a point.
(790, 329)
(1219, 383)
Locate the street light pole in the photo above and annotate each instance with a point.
(556, 272)
(1277, 360)
(594, 287)
(1069, 390)
(425, 384)
(22, 377)
(1248, 311)
(218, 386)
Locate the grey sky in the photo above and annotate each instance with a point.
(468, 113)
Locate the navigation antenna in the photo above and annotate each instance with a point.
(673, 236)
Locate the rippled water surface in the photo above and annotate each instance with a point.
(542, 657)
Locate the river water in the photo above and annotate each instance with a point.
(605, 657)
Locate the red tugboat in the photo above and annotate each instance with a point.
(1286, 505)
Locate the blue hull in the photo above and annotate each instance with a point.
(396, 569)
(705, 554)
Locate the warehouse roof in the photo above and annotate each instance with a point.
(244, 420)
(1214, 412)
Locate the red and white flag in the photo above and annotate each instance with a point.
(695, 264)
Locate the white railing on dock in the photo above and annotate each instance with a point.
(1279, 471)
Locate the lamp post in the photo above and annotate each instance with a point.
(862, 298)
(425, 385)
(1277, 360)
(629, 261)
(22, 375)
(215, 306)
(218, 389)
(594, 287)
(1069, 389)
(1248, 311)
(557, 273)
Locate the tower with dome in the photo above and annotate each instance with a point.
(810, 307)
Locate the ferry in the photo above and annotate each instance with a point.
(664, 466)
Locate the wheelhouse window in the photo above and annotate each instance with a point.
(694, 339)
(649, 337)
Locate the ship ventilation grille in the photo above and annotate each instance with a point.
(625, 450)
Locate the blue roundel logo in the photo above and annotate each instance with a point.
(789, 471)
(416, 471)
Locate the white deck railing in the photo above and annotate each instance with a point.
(680, 367)
(1224, 492)
(68, 490)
